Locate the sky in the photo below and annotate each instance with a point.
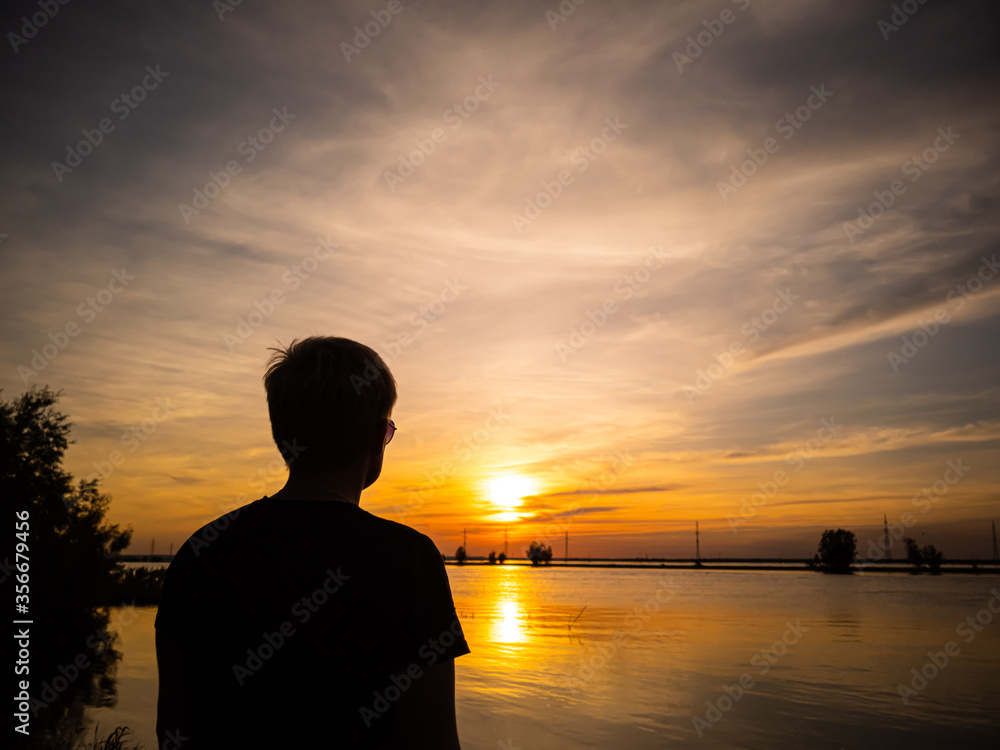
(649, 264)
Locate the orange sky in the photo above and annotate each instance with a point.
(641, 283)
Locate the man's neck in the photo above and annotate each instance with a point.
(314, 495)
(332, 485)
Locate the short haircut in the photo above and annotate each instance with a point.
(329, 394)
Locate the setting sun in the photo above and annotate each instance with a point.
(508, 492)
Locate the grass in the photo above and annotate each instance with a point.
(114, 741)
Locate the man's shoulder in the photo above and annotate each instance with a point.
(246, 537)
(267, 515)
(203, 539)
(389, 526)
(400, 534)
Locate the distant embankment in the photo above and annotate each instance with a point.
(768, 564)
(763, 564)
(145, 558)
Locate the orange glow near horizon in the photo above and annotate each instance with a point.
(592, 332)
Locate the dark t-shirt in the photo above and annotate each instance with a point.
(299, 624)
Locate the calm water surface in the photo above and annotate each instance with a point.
(630, 658)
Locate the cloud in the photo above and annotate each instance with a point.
(576, 279)
(615, 491)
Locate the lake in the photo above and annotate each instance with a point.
(650, 658)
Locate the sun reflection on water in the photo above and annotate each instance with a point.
(508, 622)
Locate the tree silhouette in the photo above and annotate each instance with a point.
(836, 551)
(539, 553)
(501, 558)
(493, 558)
(933, 558)
(927, 556)
(460, 555)
(73, 548)
(913, 553)
(73, 574)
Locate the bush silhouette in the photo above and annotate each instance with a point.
(918, 557)
(836, 551)
(539, 553)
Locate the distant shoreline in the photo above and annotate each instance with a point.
(974, 567)
(798, 566)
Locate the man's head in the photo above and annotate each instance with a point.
(330, 395)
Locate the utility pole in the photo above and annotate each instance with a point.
(887, 543)
(697, 546)
(566, 555)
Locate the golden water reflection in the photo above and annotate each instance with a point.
(507, 623)
(590, 658)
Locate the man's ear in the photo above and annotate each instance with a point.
(377, 444)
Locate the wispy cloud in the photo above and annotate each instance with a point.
(537, 134)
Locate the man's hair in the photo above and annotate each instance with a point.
(329, 394)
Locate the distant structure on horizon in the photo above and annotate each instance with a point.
(697, 545)
(566, 553)
(888, 542)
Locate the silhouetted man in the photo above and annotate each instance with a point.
(301, 620)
